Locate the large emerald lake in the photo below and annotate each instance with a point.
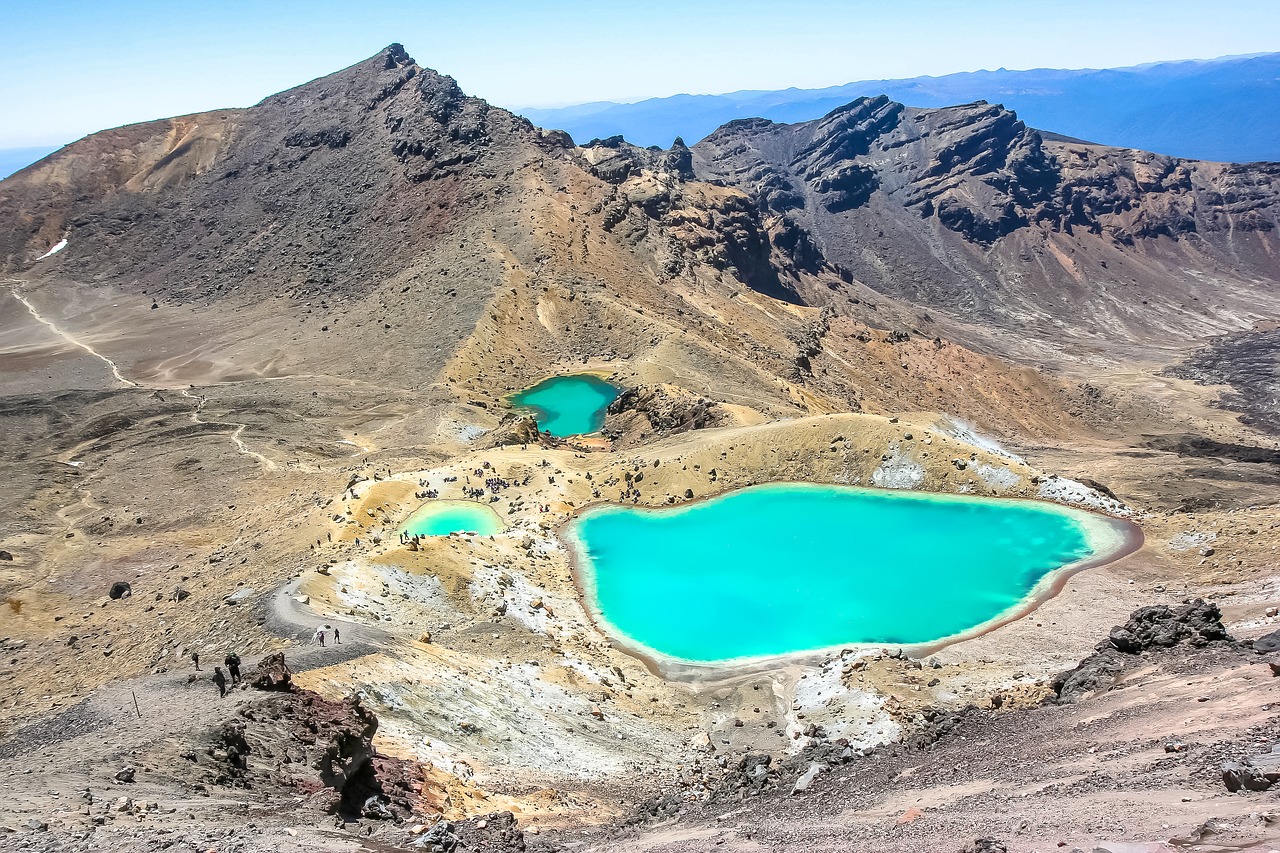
(568, 405)
(785, 568)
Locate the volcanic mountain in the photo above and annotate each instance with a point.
(239, 348)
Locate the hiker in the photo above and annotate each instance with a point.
(320, 636)
(233, 666)
(337, 636)
(195, 659)
(220, 680)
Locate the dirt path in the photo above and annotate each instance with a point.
(236, 428)
(75, 342)
(286, 617)
(241, 447)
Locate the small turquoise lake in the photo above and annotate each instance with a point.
(568, 405)
(784, 568)
(440, 518)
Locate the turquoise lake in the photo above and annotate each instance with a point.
(440, 518)
(784, 568)
(568, 405)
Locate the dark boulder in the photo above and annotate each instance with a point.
(120, 589)
(984, 845)
(497, 832)
(1096, 672)
(6, 556)
(1252, 774)
(1160, 626)
(1267, 643)
(1198, 623)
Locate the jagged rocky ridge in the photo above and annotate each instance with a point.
(965, 208)
(354, 178)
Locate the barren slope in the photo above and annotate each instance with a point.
(271, 332)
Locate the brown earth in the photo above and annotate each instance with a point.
(272, 330)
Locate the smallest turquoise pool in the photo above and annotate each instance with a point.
(440, 518)
(568, 405)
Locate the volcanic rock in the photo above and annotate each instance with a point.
(272, 674)
(1267, 643)
(1160, 626)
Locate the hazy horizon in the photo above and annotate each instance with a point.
(149, 60)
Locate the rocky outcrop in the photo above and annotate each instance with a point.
(647, 411)
(1267, 643)
(1258, 773)
(1157, 627)
(272, 674)
(520, 429)
(297, 738)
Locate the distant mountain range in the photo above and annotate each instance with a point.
(1224, 109)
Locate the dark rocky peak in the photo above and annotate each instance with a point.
(679, 160)
(365, 84)
(850, 131)
(977, 167)
(975, 139)
(615, 160)
(424, 113)
(614, 142)
(395, 55)
(325, 164)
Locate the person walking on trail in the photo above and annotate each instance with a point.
(320, 636)
(220, 680)
(233, 667)
(195, 659)
(337, 636)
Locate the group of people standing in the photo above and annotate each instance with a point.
(232, 662)
(323, 631)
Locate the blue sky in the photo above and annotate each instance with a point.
(73, 67)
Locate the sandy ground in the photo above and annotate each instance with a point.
(477, 653)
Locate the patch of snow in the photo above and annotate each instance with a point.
(996, 476)
(57, 247)
(1190, 540)
(898, 471)
(1065, 491)
(966, 432)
